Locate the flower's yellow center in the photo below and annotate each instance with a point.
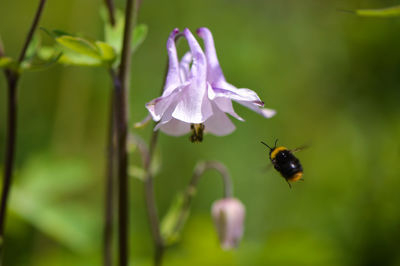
(197, 132)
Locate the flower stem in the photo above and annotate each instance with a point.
(111, 11)
(12, 78)
(151, 205)
(109, 187)
(198, 172)
(121, 86)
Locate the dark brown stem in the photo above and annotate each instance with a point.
(111, 11)
(191, 189)
(109, 187)
(121, 85)
(12, 77)
(12, 105)
(32, 30)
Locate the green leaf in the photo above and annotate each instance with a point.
(80, 46)
(81, 51)
(393, 11)
(5, 61)
(79, 60)
(113, 35)
(33, 47)
(107, 51)
(170, 229)
(44, 64)
(139, 35)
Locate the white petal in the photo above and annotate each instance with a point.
(184, 66)
(193, 105)
(265, 112)
(174, 127)
(158, 106)
(192, 109)
(172, 80)
(225, 105)
(229, 91)
(219, 124)
(214, 71)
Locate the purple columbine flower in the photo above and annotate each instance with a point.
(196, 96)
(228, 215)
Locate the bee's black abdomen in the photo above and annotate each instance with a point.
(287, 164)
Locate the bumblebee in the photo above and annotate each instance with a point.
(285, 163)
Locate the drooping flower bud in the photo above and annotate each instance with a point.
(228, 215)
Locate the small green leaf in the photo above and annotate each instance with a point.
(137, 172)
(113, 34)
(80, 46)
(107, 51)
(41, 65)
(79, 60)
(33, 47)
(393, 11)
(139, 35)
(5, 61)
(173, 222)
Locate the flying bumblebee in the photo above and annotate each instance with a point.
(285, 163)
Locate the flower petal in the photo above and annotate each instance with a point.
(229, 91)
(158, 106)
(184, 66)
(265, 112)
(214, 71)
(199, 67)
(225, 105)
(194, 105)
(219, 123)
(172, 80)
(173, 127)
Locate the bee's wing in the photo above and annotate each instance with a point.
(266, 168)
(300, 148)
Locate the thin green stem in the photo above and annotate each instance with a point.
(198, 172)
(151, 205)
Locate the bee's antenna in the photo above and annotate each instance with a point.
(276, 141)
(266, 145)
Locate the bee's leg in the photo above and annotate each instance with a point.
(290, 185)
(301, 179)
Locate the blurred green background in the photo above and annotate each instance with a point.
(334, 79)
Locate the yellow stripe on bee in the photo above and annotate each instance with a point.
(296, 177)
(276, 150)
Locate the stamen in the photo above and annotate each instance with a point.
(197, 132)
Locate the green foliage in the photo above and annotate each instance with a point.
(393, 11)
(139, 35)
(114, 34)
(5, 61)
(80, 51)
(48, 196)
(174, 220)
(33, 47)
